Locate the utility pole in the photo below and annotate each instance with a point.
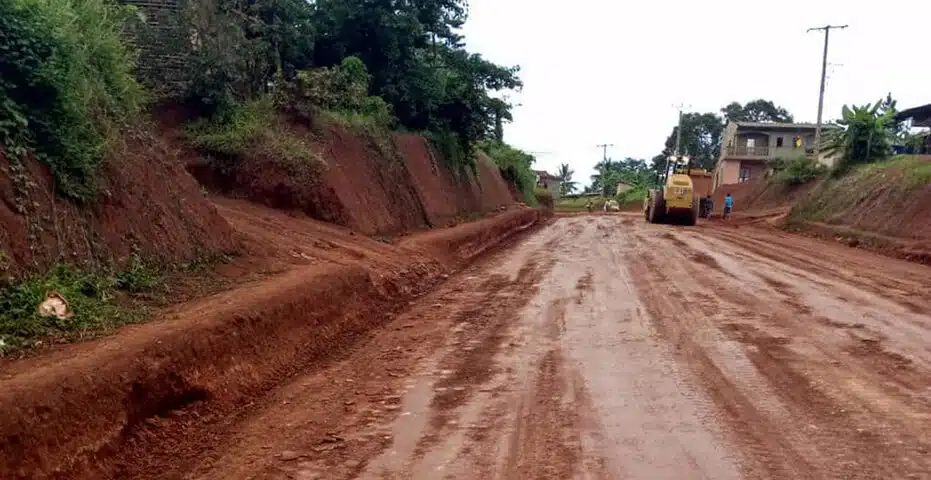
(678, 139)
(605, 146)
(604, 158)
(678, 131)
(824, 69)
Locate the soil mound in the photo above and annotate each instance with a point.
(148, 205)
(360, 188)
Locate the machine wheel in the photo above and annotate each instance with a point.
(646, 207)
(656, 208)
(693, 218)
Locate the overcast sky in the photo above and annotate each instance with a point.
(610, 71)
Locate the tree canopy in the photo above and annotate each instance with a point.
(416, 61)
(702, 133)
(566, 185)
(756, 111)
(632, 171)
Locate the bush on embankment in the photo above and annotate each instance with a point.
(66, 86)
(82, 181)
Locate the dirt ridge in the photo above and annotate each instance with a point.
(220, 351)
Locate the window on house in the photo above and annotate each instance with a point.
(744, 174)
(751, 142)
(778, 141)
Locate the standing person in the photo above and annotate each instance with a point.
(728, 205)
(710, 209)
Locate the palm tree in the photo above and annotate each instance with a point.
(566, 185)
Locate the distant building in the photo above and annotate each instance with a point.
(750, 149)
(917, 117)
(548, 182)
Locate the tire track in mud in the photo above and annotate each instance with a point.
(911, 290)
(850, 435)
(469, 409)
(485, 329)
(546, 441)
(769, 454)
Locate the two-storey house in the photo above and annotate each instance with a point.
(750, 149)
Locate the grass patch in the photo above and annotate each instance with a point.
(255, 129)
(579, 204)
(100, 301)
(370, 127)
(95, 299)
(915, 170)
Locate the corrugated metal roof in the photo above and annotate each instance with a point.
(919, 114)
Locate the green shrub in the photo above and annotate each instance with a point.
(515, 167)
(867, 135)
(343, 91)
(544, 198)
(798, 170)
(254, 129)
(635, 195)
(66, 83)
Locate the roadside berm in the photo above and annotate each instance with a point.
(66, 412)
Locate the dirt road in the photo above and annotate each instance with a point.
(603, 347)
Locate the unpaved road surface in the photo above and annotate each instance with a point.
(604, 347)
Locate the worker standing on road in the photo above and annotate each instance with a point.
(710, 211)
(728, 205)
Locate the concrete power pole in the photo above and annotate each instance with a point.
(677, 151)
(824, 69)
(604, 158)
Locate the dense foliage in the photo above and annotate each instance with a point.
(867, 136)
(66, 83)
(756, 111)
(630, 171)
(515, 165)
(798, 170)
(413, 60)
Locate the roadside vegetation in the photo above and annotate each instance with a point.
(371, 67)
(93, 305)
(516, 168)
(97, 301)
(67, 88)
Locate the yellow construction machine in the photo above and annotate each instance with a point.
(683, 198)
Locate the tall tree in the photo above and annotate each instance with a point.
(632, 171)
(566, 184)
(759, 110)
(701, 139)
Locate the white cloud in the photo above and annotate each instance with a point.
(610, 72)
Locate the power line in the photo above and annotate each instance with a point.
(824, 68)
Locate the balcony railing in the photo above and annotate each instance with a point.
(766, 153)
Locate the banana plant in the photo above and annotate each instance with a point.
(867, 136)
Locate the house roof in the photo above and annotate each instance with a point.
(921, 115)
(544, 175)
(783, 126)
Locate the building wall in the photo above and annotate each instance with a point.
(161, 65)
(729, 172)
(756, 170)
